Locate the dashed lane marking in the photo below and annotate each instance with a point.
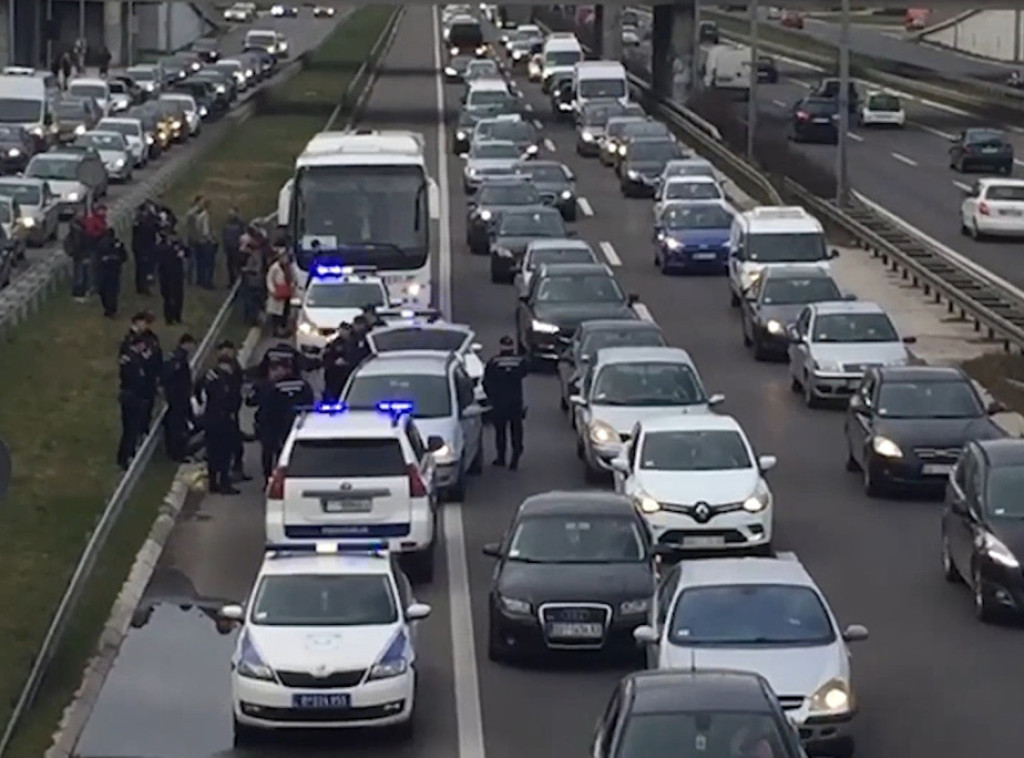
(584, 206)
(778, 103)
(904, 159)
(643, 312)
(855, 137)
(962, 186)
(538, 124)
(609, 253)
(549, 145)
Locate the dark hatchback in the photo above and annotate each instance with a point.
(16, 147)
(576, 572)
(815, 119)
(560, 298)
(983, 526)
(719, 713)
(206, 47)
(693, 237)
(774, 302)
(494, 197)
(767, 70)
(596, 334)
(981, 150)
(906, 425)
(555, 182)
(644, 160)
(562, 94)
(516, 229)
(593, 119)
(468, 119)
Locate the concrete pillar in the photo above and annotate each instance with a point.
(598, 31)
(686, 44)
(613, 33)
(661, 50)
(113, 23)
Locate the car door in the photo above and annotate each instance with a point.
(663, 598)
(424, 460)
(470, 421)
(799, 345)
(523, 275)
(959, 524)
(604, 734)
(749, 305)
(860, 416)
(736, 257)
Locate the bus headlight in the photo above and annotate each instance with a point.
(413, 289)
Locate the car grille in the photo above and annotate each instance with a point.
(858, 368)
(702, 512)
(791, 702)
(306, 680)
(938, 454)
(571, 614)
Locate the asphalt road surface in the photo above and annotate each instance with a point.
(932, 682)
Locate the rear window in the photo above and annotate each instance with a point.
(328, 459)
(1005, 192)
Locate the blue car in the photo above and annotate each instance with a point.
(693, 237)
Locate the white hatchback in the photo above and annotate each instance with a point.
(993, 207)
(882, 109)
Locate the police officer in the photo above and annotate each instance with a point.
(110, 257)
(503, 383)
(286, 353)
(357, 348)
(134, 387)
(337, 369)
(221, 422)
(278, 398)
(177, 383)
(227, 351)
(372, 319)
(144, 232)
(142, 326)
(170, 257)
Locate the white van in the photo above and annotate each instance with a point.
(599, 80)
(560, 54)
(24, 100)
(728, 68)
(772, 236)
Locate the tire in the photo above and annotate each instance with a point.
(949, 571)
(984, 611)
(570, 216)
(975, 233)
(734, 299)
(851, 462)
(563, 404)
(244, 735)
(495, 275)
(810, 399)
(872, 487)
(496, 651)
(457, 492)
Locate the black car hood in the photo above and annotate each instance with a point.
(567, 316)
(538, 583)
(1011, 533)
(549, 188)
(787, 314)
(938, 432)
(647, 168)
(497, 210)
(518, 245)
(8, 143)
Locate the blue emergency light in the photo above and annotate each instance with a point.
(355, 547)
(396, 407)
(330, 408)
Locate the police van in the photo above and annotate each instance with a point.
(773, 236)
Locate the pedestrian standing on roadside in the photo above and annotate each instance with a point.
(279, 294)
(66, 67)
(78, 252)
(144, 229)
(231, 240)
(111, 257)
(94, 226)
(104, 61)
(202, 247)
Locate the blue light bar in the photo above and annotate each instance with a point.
(330, 408)
(364, 547)
(397, 407)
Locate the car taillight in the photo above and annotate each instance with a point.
(416, 486)
(983, 208)
(275, 487)
(803, 115)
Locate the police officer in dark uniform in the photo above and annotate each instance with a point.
(218, 388)
(277, 398)
(170, 257)
(337, 369)
(503, 383)
(227, 351)
(142, 326)
(286, 353)
(372, 319)
(357, 348)
(177, 384)
(110, 257)
(144, 231)
(134, 387)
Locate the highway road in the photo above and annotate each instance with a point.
(932, 682)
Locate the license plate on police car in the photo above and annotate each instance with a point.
(348, 505)
(936, 469)
(703, 256)
(576, 631)
(317, 700)
(703, 541)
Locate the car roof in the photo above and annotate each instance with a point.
(616, 324)
(793, 270)
(626, 119)
(691, 422)
(492, 142)
(284, 564)
(574, 269)
(644, 354)
(494, 85)
(103, 133)
(692, 179)
(594, 502)
(1003, 452)
(846, 306)
(63, 153)
(347, 425)
(562, 243)
(692, 161)
(430, 362)
(683, 203)
(87, 80)
(528, 164)
(641, 139)
(922, 373)
(442, 326)
(680, 690)
(711, 572)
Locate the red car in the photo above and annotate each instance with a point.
(792, 20)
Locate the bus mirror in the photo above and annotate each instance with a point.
(434, 201)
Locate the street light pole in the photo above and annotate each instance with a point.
(695, 76)
(752, 96)
(842, 166)
(131, 33)
(12, 32)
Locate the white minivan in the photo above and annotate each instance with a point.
(559, 55)
(599, 80)
(728, 68)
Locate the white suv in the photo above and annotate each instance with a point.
(357, 475)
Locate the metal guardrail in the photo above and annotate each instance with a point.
(360, 82)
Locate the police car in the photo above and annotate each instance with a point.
(358, 475)
(327, 641)
(334, 295)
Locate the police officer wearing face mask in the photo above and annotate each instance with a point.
(277, 398)
(503, 383)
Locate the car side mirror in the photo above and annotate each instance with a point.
(476, 347)
(833, 253)
(645, 635)
(717, 399)
(767, 463)
(48, 119)
(857, 404)
(794, 335)
(855, 633)
(233, 612)
(492, 550)
(910, 340)
(417, 612)
(578, 400)
(633, 298)
(434, 443)
(619, 463)
(996, 407)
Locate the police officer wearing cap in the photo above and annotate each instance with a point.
(357, 349)
(277, 399)
(503, 383)
(285, 353)
(142, 327)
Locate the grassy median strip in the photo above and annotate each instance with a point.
(58, 398)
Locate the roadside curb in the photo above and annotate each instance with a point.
(76, 715)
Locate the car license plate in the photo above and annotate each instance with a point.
(822, 120)
(319, 700)
(703, 256)
(576, 631)
(349, 505)
(990, 150)
(1010, 213)
(703, 541)
(936, 469)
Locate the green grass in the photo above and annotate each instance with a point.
(1002, 374)
(59, 414)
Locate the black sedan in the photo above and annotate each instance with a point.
(523, 134)
(815, 119)
(462, 136)
(576, 572)
(593, 119)
(16, 147)
(906, 425)
(207, 49)
(774, 302)
(556, 184)
(594, 335)
(494, 197)
(516, 229)
(981, 150)
(619, 135)
(560, 298)
(983, 526)
(641, 166)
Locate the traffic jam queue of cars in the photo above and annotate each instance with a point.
(672, 567)
(60, 149)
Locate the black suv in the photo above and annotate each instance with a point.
(981, 150)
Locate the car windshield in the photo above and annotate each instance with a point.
(142, 75)
(585, 288)
(562, 57)
(118, 88)
(598, 340)
(884, 103)
(613, 87)
(617, 127)
(501, 151)
(689, 169)
(548, 174)
(461, 63)
(95, 91)
(70, 110)
(598, 115)
(820, 107)
(448, 340)
(560, 256)
(120, 127)
(854, 327)
(324, 600)
(696, 450)
(647, 129)
(799, 290)
(1005, 192)
(985, 137)
(513, 131)
(429, 393)
(487, 97)
(54, 168)
(750, 615)
(344, 295)
(508, 194)
(261, 39)
(482, 69)
(1003, 500)
(785, 248)
(712, 734)
(25, 194)
(577, 539)
(649, 384)
(653, 151)
(531, 225)
(953, 399)
(10, 132)
(696, 216)
(101, 141)
(684, 190)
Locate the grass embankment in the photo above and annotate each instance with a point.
(58, 398)
(1002, 374)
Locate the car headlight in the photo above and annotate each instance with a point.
(413, 289)
(37, 131)
(461, 135)
(251, 664)
(388, 669)
(829, 367)
(449, 71)
(566, 195)
(306, 326)
(602, 433)
(511, 605)
(670, 242)
(175, 124)
(486, 215)
(472, 172)
(119, 163)
(543, 327)
(752, 275)
(221, 90)
(886, 448)
(532, 150)
(517, 55)
(622, 150)
(832, 697)
(774, 327)
(13, 152)
(632, 174)
(203, 112)
(611, 147)
(635, 607)
(28, 222)
(646, 503)
(587, 137)
(998, 552)
(445, 454)
(80, 129)
(149, 139)
(74, 197)
(755, 504)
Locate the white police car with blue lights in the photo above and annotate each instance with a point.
(334, 295)
(327, 641)
(358, 475)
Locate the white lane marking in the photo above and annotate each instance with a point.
(609, 253)
(529, 107)
(932, 130)
(962, 186)
(643, 312)
(904, 159)
(584, 206)
(468, 715)
(855, 137)
(549, 145)
(778, 103)
(538, 124)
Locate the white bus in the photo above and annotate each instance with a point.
(364, 198)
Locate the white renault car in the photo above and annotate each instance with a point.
(993, 207)
(698, 483)
(882, 109)
(334, 295)
(114, 152)
(328, 641)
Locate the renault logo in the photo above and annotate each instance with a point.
(346, 487)
(321, 672)
(702, 512)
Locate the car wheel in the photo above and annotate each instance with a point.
(810, 399)
(244, 735)
(495, 273)
(872, 486)
(984, 610)
(421, 565)
(760, 353)
(851, 462)
(563, 404)
(457, 492)
(948, 567)
(734, 299)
